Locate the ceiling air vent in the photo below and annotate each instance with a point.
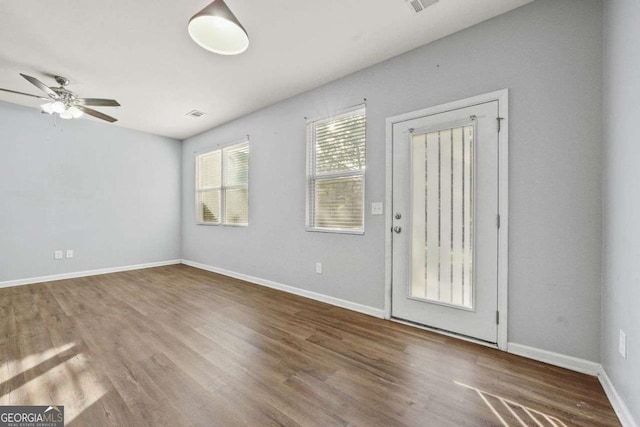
(420, 5)
(195, 113)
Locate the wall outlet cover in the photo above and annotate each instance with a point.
(57, 255)
(69, 253)
(319, 267)
(622, 344)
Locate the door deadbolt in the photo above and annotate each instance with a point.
(398, 215)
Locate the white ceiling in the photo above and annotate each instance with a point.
(139, 51)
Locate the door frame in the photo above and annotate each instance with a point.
(502, 96)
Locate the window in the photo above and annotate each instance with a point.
(335, 172)
(222, 185)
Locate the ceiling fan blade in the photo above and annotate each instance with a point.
(22, 93)
(43, 87)
(97, 102)
(97, 114)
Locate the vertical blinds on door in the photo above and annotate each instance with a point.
(442, 216)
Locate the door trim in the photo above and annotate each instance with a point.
(502, 96)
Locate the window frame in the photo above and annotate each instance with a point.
(312, 176)
(223, 187)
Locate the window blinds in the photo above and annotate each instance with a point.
(236, 184)
(209, 167)
(222, 179)
(336, 165)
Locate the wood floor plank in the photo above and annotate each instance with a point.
(180, 346)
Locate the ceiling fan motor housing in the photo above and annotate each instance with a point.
(65, 95)
(62, 81)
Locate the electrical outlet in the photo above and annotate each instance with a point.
(69, 253)
(622, 344)
(377, 208)
(319, 267)
(57, 255)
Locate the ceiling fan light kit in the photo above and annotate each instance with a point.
(216, 29)
(53, 107)
(72, 112)
(58, 107)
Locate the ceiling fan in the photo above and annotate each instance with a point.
(66, 103)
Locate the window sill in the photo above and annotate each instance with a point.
(222, 225)
(334, 231)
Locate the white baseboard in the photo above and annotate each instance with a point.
(622, 411)
(371, 311)
(568, 362)
(63, 276)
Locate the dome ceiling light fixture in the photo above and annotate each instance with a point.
(216, 29)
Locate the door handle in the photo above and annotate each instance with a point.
(397, 229)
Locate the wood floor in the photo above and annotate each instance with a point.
(179, 346)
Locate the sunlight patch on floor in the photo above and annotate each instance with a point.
(19, 366)
(50, 377)
(511, 413)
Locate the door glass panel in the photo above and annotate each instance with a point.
(442, 216)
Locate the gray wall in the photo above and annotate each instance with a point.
(621, 267)
(549, 54)
(110, 194)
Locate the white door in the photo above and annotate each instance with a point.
(445, 221)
